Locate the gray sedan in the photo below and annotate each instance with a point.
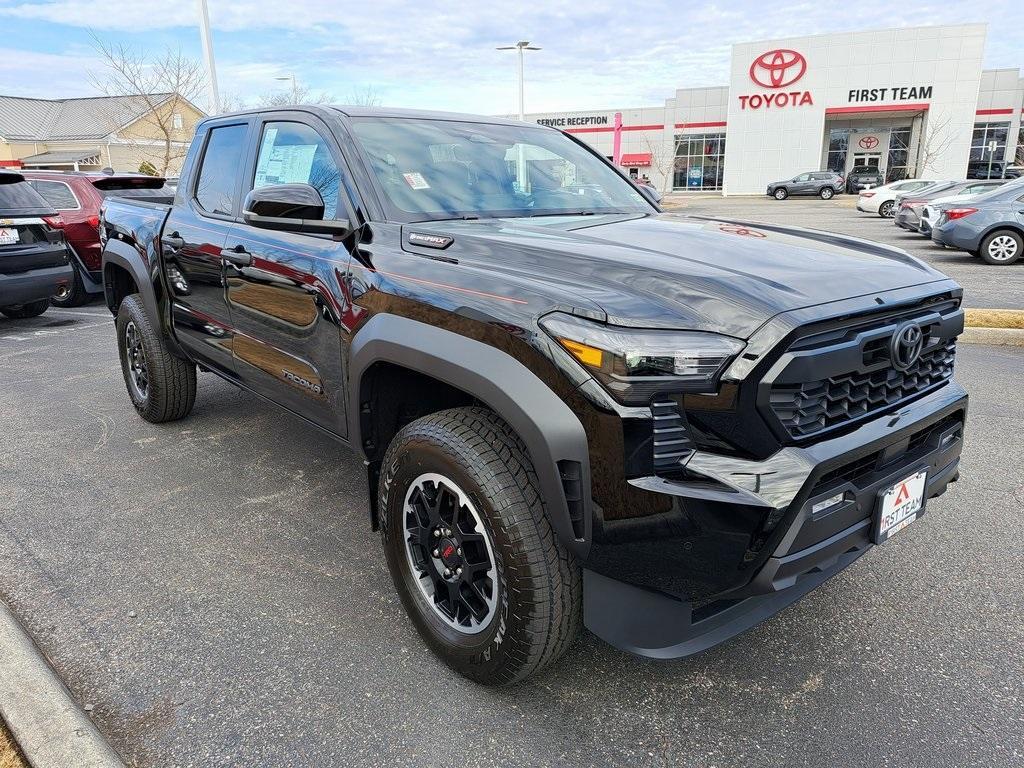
(990, 225)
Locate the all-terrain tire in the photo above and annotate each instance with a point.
(24, 311)
(171, 382)
(538, 608)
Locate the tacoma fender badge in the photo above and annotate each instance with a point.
(430, 241)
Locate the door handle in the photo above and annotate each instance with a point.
(174, 241)
(237, 256)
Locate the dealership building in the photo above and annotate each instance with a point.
(911, 101)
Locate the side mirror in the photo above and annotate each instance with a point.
(651, 194)
(290, 208)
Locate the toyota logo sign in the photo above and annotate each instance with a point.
(778, 68)
(868, 142)
(905, 347)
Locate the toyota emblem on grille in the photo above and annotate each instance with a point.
(906, 345)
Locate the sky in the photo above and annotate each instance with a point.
(420, 54)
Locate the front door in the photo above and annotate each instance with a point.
(192, 240)
(285, 289)
(864, 162)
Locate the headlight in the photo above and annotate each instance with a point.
(634, 364)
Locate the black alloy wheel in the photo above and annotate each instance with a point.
(449, 550)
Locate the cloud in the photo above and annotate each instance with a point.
(596, 53)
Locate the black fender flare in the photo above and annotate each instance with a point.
(553, 434)
(123, 254)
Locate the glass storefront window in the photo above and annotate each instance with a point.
(1020, 147)
(838, 144)
(699, 161)
(985, 133)
(898, 165)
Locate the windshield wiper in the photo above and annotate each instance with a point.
(562, 213)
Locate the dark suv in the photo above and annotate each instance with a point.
(33, 256)
(823, 184)
(572, 407)
(863, 178)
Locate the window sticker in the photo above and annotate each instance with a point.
(416, 180)
(288, 164)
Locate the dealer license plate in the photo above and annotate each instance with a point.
(9, 237)
(901, 505)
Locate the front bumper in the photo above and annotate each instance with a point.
(725, 555)
(36, 284)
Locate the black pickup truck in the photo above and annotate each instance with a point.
(572, 406)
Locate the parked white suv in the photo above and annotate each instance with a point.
(882, 200)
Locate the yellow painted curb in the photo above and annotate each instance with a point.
(994, 318)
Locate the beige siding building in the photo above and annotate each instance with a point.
(126, 133)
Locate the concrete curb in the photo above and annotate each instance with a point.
(994, 318)
(1003, 337)
(46, 721)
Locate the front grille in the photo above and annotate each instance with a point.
(817, 405)
(833, 375)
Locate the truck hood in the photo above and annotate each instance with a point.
(674, 271)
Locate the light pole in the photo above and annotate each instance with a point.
(295, 87)
(522, 45)
(211, 66)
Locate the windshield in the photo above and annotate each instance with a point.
(441, 169)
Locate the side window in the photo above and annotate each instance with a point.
(294, 153)
(803, 177)
(57, 194)
(218, 175)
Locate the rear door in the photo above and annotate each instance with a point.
(286, 289)
(194, 236)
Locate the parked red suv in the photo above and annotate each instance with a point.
(77, 197)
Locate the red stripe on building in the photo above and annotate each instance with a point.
(608, 129)
(876, 108)
(700, 125)
(994, 112)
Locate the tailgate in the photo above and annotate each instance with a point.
(29, 243)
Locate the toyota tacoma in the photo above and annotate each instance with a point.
(573, 408)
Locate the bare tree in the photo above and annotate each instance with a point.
(934, 144)
(300, 95)
(663, 160)
(162, 84)
(364, 97)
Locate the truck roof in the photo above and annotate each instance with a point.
(421, 114)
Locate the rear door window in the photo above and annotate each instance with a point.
(56, 193)
(217, 185)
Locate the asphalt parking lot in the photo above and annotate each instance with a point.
(984, 286)
(212, 594)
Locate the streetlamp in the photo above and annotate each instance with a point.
(295, 87)
(522, 45)
(211, 66)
